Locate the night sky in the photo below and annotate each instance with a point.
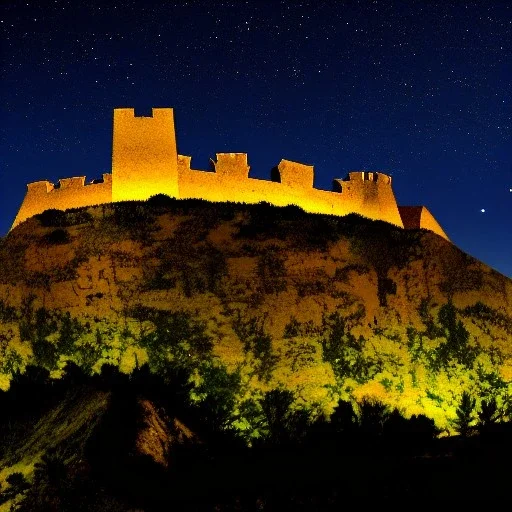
(420, 90)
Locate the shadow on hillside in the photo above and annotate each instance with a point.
(374, 457)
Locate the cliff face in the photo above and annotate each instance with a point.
(252, 298)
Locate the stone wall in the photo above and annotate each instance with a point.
(145, 162)
(292, 184)
(68, 193)
(417, 217)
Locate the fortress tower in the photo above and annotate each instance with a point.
(144, 155)
(145, 162)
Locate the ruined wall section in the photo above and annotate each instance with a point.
(68, 193)
(144, 155)
(292, 183)
(417, 217)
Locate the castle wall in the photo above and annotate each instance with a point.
(145, 162)
(416, 217)
(371, 195)
(68, 193)
(144, 155)
(293, 184)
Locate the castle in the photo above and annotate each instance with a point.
(145, 162)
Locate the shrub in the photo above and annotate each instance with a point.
(161, 202)
(344, 353)
(130, 213)
(52, 218)
(308, 288)
(216, 268)
(284, 423)
(18, 483)
(272, 271)
(177, 337)
(385, 287)
(342, 273)
(465, 415)
(255, 340)
(218, 390)
(57, 237)
(7, 313)
(57, 218)
(292, 328)
(372, 416)
(155, 279)
(489, 316)
(45, 354)
(457, 337)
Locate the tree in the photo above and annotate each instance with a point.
(372, 416)
(276, 407)
(465, 415)
(488, 415)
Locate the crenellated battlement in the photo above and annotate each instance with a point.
(66, 193)
(377, 177)
(145, 162)
(75, 183)
(294, 174)
(40, 187)
(231, 165)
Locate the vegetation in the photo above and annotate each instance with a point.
(263, 311)
(99, 465)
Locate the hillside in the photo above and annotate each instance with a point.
(326, 307)
(252, 309)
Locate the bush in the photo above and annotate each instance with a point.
(385, 287)
(284, 423)
(18, 483)
(465, 415)
(161, 202)
(344, 352)
(272, 271)
(53, 218)
(255, 340)
(57, 237)
(7, 313)
(132, 215)
(177, 336)
(218, 389)
(457, 337)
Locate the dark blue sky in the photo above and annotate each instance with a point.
(420, 90)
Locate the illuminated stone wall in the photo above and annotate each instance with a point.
(144, 156)
(68, 193)
(416, 217)
(145, 162)
(369, 194)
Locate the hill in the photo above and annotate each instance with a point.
(268, 317)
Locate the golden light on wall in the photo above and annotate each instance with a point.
(145, 162)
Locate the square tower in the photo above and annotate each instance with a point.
(144, 155)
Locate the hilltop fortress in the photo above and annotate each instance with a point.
(145, 162)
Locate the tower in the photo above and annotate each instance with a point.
(144, 155)
(371, 195)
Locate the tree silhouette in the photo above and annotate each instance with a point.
(489, 415)
(465, 415)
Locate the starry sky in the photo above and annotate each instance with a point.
(420, 90)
